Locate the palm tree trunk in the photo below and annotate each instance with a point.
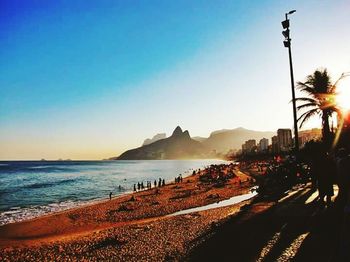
(326, 133)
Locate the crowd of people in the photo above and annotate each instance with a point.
(316, 165)
(218, 174)
(327, 169)
(178, 179)
(140, 185)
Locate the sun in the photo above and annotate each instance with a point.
(343, 96)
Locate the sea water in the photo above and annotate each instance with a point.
(30, 189)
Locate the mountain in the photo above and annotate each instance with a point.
(226, 139)
(199, 138)
(178, 146)
(154, 139)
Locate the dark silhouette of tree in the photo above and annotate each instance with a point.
(320, 100)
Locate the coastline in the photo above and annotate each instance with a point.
(126, 214)
(17, 208)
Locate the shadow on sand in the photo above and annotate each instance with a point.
(287, 230)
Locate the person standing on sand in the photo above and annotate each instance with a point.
(110, 195)
(325, 171)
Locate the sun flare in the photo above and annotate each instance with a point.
(343, 97)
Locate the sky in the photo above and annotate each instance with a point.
(91, 79)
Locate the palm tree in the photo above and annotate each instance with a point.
(320, 100)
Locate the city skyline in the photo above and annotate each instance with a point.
(89, 81)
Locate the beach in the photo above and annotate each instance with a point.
(137, 226)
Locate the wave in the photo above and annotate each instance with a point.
(12, 168)
(25, 213)
(49, 184)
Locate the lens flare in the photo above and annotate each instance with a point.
(343, 96)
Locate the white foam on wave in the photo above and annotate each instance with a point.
(18, 214)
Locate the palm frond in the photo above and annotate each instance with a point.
(306, 99)
(304, 87)
(306, 106)
(306, 116)
(342, 76)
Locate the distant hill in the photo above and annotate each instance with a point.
(181, 146)
(178, 146)
(154, 139)
(199, 138)
(224, 140)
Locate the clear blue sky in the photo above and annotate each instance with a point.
(90, 79)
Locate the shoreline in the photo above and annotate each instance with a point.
(148, 204)
(37, 211)
(119, 220)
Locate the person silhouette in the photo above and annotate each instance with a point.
(110, 195)
(343, 175)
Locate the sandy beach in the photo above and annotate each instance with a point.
(130, 227)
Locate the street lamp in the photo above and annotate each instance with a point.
(287, 44)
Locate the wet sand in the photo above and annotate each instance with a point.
(131, 227)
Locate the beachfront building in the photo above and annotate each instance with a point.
(284, 136)
(308, 135)
(249, 146)
(274, 145)
(263, 145)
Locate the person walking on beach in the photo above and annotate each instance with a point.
(163, 182)
(155, 183)
(110, 195)
(134, 187)
(159, 182)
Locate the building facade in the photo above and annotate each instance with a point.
(274, 145)
(263, 145)
(248, 146)
(284, 136)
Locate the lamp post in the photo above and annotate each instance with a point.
(287, 43)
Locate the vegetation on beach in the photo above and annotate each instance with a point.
(320, 100)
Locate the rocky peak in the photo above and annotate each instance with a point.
(154, 139)
(186, 134)
(177, 131)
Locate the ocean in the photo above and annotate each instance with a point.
(30, 189)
